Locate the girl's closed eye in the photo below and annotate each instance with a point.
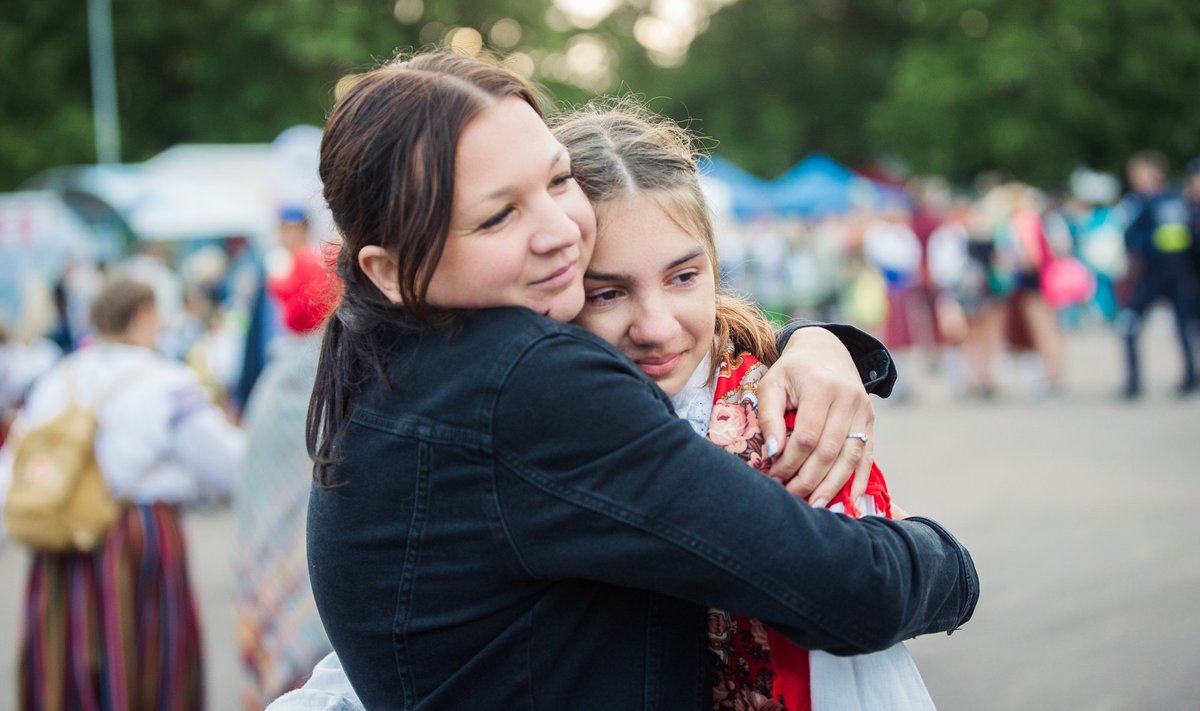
(497, 219)
(563, 179)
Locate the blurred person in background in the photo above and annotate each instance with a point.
(244, 293)
(960, 291)
(1013, 213)
(117, 628)
(1192, 193)
(1159, 244)
(208, 334)
(990, 282)
(296, 275)
(150, 264)
(74, 293)
(890, 245)
(933, 205)
(279, 634)
(26, 350)
(1099, 235)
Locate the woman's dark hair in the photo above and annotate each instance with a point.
(387, 166)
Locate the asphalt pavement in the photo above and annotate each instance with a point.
(1076, 508)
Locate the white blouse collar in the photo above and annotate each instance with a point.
(694, 402)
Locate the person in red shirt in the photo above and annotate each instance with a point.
(305, 288)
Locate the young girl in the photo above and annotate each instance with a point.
(651, 290)
(508, 514)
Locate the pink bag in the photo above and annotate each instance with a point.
(1067, 282)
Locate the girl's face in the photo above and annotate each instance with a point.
(521, 230)
(651, 291)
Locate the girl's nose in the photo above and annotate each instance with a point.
(654, 323)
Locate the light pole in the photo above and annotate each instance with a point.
(104, 82)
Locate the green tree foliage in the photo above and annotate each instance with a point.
(772, 80)
(202, 71)
(1037, 88)
(951, 87)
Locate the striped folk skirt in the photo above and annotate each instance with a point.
(115, 629)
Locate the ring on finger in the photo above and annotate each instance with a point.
(861, 436)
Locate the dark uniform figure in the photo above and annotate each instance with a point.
(1160, 251)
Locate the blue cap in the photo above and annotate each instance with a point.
(292, 213)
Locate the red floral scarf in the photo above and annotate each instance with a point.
(755, 668)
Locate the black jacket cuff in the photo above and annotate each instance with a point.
(875, 365)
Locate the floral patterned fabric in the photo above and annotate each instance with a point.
(747, 674)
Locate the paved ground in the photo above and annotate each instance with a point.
(1077, 510)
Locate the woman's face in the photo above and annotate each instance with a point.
(651, 291)
(521, 230)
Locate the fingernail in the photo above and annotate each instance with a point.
(820, 503)
(772, 447)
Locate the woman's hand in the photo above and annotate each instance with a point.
(816, 377)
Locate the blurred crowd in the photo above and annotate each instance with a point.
(983, 284)
(199, 363)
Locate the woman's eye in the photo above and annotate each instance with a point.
(563, 179)
(496, 219)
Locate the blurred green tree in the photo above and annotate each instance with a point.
(1034, 89)
(204, 71)
(772, 80)
(953, 87)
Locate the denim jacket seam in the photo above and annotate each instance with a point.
(404, 426)
(776, 590)
(412, 555)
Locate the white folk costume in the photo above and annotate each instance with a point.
(116, 628)
(755, 668)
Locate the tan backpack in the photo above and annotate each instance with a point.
(58, 500)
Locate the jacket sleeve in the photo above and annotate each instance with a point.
(597, 479)
(874, 363)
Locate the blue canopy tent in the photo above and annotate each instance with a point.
(749, 195)
(816, 186)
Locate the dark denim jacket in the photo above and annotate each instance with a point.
(522, 523)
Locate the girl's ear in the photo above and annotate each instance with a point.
(382, 269)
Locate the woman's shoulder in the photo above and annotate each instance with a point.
(525, 333)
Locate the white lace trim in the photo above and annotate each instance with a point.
(694, 402)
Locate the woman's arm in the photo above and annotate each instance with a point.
(596, 479)
(824, 374)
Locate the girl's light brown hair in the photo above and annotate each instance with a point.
(618, 149)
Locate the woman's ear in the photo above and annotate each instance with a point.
(382, 269)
